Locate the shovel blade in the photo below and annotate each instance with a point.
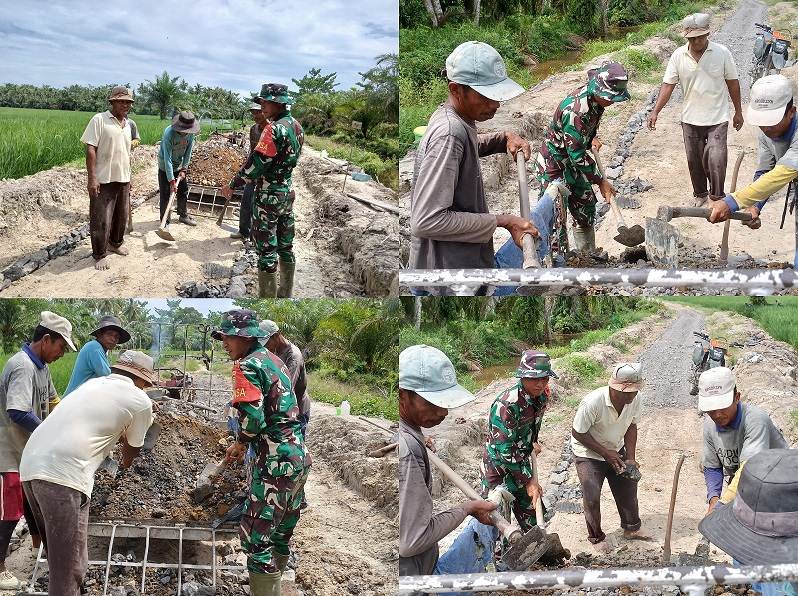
(631, 236)
(110, 465)
(662, 243)
(151, 437)
(525, 551)
(165, 234)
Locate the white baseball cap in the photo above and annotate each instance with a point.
(480, 66)
(769, 98)
(59, 325)
(716, 389)
(255, 106)
(430, 373)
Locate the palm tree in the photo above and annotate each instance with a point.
(162, 94)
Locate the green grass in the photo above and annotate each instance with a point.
(386, 171)
(583, 367)
(60, 370)
(364, 401)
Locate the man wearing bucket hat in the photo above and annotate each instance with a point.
(428, 388)
(93, 357)
(771, 109)
(59, 461)
(708, 76)
(174, 156)
(603, 441)
(245, 213)
(760, 525)
(450, 223)
(27, 395)
(733, 431)
(565, 152)
(107, 138)
(513, 429)
(267, 408)
(273, 159)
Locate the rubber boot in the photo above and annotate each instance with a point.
(281, 561)
(584, 238)
(267, 284)
(286, 279)
(264, 584)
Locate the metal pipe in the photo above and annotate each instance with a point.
(464, 281)
(690, 579)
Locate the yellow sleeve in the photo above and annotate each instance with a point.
(767, 184)
(731, 490)
(54, 402)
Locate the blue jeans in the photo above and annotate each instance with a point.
(471, 551)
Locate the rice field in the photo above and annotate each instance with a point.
(35, 140)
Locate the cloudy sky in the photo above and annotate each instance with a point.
(234, 44)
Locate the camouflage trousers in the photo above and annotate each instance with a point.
(270, 516)
(273, 229)
(581, 203)
(523, 509)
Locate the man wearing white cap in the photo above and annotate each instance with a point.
(450, 224)
(707, 73)
(603, 441)
(59, 461)
(427, 389)
(27, 395)
(245, 213)
(771, 109)
(733, 431)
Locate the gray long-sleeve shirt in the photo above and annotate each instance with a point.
(419, 529)
(450, 225)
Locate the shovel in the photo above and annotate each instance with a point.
(527, 240)
(662, 239)
(626, 235)
(525, 548)
(151, 437)
(162, 231)
(204, 489)
(110, 465)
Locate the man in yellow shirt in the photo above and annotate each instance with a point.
(772, 110)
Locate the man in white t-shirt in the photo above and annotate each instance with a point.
(708, 76)
(603, 441)
(108, 138)
(61, 457)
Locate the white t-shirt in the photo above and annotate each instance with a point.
(113, 147)
(705, 94)
(597, 415)
(70, 444)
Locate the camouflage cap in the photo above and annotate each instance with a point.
(241, 322)
(274, 92)
(535, 365)
(608, 81)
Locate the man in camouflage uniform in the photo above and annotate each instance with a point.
(514, 425)
(269, 418)
(565, 152)
(273, 160)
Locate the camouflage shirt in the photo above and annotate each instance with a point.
(268, 414)
(569, 136)
(514, 425)
(274, 158)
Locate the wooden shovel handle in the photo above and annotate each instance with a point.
(168, 209)
(539, 503)
(724, 242)
(528, 241)
(616, 211)
(705, 212)
(666, 551)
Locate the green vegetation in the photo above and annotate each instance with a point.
(364, 400)
(384, 170)
(777, 316)
(60, 370)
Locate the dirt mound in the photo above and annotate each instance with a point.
(215, 162)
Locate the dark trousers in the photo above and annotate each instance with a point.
(62, 515)
(182, 195)
(108, 217)
(707, 156)
(592, 473)
(245, 213)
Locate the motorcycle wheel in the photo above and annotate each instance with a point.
(768, 66)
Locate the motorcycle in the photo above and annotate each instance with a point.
(707, 353)
(771, 51)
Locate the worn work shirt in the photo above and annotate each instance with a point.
(92, 362)
(419, 529)
(705, 94)
(295, 361)
(112, 139)
(513, 428)
(25, 385)
(569, 137)
(598, 416)
(174, 153)
(70, 444)
(726, 448)
(450, 225)
(254, 136)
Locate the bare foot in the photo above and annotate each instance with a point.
(120, 250)
(603, 547)
(636, 535)
(101, 264)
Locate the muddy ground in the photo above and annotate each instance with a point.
(345, 489)
(656, 157)
(343, 247)
(671, 426)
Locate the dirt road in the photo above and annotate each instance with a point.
(670, 427)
